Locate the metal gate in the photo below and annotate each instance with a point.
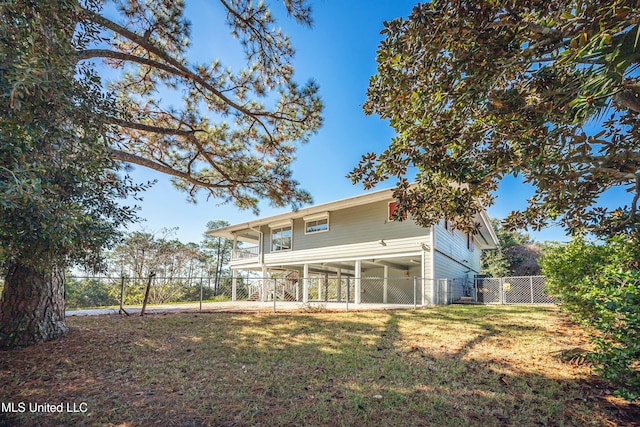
(512, 290)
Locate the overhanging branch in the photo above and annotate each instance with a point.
(153, 129)
(143, 161)
(174, 66)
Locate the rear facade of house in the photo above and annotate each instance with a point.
(352, 249)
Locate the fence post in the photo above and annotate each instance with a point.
(348, 288)
(475, 289)
(275, 297)
(201, 284)
(447, 295)
(415, 291)
(146, 294)
(122, 310)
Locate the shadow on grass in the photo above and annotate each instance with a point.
(445, 366)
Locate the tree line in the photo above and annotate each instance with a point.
(517, 255)
(177, 268)
(141, 253)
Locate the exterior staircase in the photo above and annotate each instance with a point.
(256, 296)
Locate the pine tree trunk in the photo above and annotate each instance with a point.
(32, 306)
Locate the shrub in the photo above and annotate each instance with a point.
(88, 293)
(599, 285)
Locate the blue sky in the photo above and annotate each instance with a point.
(339, 53)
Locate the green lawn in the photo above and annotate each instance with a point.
(455, 365)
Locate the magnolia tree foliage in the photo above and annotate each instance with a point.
(476, 90)
(60, 188)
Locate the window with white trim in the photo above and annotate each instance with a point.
(316, 226)
(316, 223)
(281, 239)
(281, 236)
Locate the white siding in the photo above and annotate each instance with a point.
(454, 260)
(397, 247)
(358, 224)
(353, 232)
(453, 257)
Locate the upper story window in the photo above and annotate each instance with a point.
(391, 209)
(281, 236)
(448, 225)
(316, 223)
(470, 242)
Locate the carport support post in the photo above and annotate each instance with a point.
(234, 285)
(264, 283)
(385, 283)
(531, 286)
(326, 287)
(305, 284)
(358, 288)
(348, 286)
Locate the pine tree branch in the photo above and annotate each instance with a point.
(153, 129)
(190, 135)
(143, 161)
(173, 66)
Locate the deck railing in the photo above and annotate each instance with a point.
(244, 253)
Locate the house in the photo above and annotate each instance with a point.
(353, 250)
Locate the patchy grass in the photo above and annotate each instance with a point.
(453, 366)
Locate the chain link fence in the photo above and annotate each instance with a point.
(105, 295)
(102, 295)
(512, 290)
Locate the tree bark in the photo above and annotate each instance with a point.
(32, 306)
